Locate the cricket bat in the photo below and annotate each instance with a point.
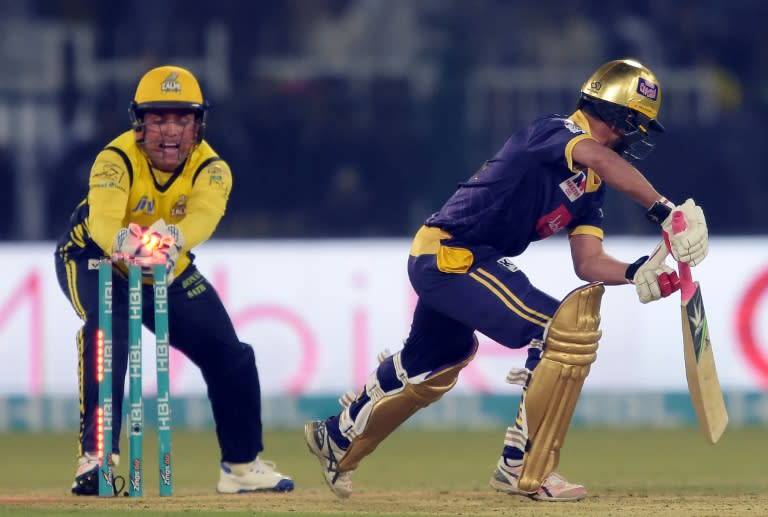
(700, 369)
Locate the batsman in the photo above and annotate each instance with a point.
(550, 176)
(160, 188)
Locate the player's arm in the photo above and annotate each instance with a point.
(615, 171)
(108, 189)
(691, 246)
(592, 264)
(207, 204)
(652, 278)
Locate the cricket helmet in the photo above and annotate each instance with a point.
(168, 87)
(626, 95)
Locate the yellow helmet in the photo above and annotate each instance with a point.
(626, 95)
(168, 87)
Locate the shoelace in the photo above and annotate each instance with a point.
(263, 465)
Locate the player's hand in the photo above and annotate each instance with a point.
(146, 247)
(692, 244)
(136, 242)
(652, 277)
(173, 242)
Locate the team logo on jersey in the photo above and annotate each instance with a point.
(171, 84)
(145, 205)
(553, 222)
(506, 263)
(571, 126)
(575, 186)
(179, 209)
(647, 89)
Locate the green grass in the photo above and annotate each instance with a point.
(418, 473)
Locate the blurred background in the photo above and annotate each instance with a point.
(346, 123)
(351, 118)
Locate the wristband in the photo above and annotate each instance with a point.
(659, 211)
(631, 271)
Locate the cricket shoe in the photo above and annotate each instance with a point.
(554, 488)
(329, 454)
(256, 476)
(88, 472)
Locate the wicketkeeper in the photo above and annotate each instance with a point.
(160, 188)
(548, 177)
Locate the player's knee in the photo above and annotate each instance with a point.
(235, 361)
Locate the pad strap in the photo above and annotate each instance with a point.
(387, 409)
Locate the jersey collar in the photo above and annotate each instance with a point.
(593, 180)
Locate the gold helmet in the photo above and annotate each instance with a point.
(168, 87)
(626, 95)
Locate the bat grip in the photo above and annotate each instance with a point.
(687, 287)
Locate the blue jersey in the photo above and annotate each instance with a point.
(529, 190)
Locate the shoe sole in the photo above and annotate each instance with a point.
(309, 439)
(284, 485)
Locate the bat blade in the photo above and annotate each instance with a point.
(700, 369)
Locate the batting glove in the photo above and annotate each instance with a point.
(691, 245)
(652, 277)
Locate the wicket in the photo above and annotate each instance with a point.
(135, 399)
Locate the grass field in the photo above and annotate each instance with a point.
(419, 473)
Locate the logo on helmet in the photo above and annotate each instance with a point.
(596, 85)
(647, 89)
(171, 83)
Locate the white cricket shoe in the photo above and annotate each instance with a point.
(256, 476)
(554, 488)
(329, 454)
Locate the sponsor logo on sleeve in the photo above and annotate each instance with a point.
(216, 177)
(551, 223)
(575, 186)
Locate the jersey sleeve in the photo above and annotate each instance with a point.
(552, 140)
(108, 187)
(207, 203)
(591, 223)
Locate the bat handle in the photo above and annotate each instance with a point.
(687, 286)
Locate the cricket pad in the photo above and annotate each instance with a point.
(392, 410)
(569, 350)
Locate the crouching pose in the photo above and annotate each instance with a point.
(549, 176)
(161, 181)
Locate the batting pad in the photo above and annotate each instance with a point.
(569, 350)
(390, 409)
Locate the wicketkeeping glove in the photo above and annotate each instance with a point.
(137, 242)
(691, 245)
(173, 242)
(148, 246)
(652, 277)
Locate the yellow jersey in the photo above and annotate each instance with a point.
(124, 188)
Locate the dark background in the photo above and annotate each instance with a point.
(345, 118)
